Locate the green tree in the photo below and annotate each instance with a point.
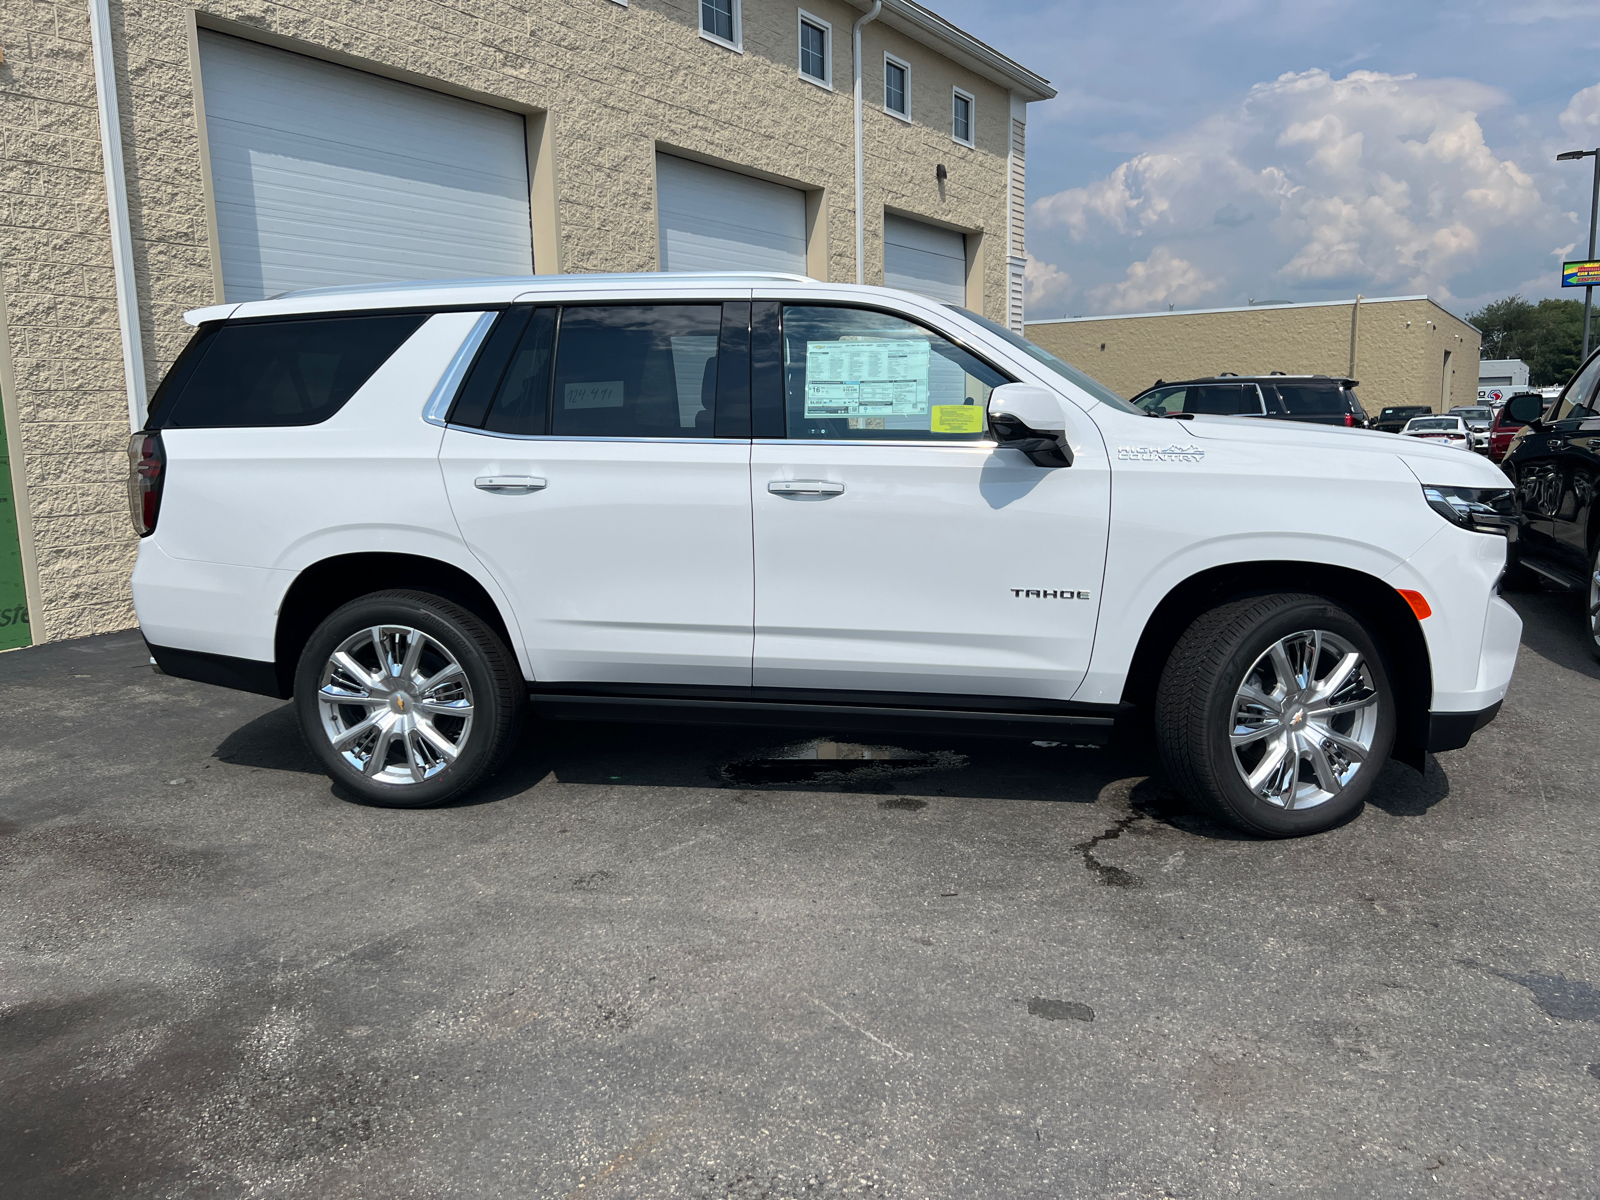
(1548, 336)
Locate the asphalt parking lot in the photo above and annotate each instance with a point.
(675, 962)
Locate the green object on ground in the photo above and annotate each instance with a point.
(14, 628)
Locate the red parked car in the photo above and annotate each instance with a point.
(1505, 426)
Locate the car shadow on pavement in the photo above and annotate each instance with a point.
(1553, 628)
(890, 766)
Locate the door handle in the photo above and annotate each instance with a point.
(805, 487)
(509, 485)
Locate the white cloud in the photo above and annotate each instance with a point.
(1044, 283)
(1581, 120)
(1310, 185)
(1162, 279)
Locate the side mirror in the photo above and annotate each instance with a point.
(1526, 408)
(1030, 419)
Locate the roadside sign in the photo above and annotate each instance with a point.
(1581, 274)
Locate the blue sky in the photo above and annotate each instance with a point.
(1207, 153)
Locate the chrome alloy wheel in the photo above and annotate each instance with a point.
(1594, 600)
(1304, 719)
(395, 704)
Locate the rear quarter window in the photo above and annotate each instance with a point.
(1314, 400)
(297, 371)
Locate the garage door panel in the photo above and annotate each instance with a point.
(325, 175)
(716, 220)
(926, 259)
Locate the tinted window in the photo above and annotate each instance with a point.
(522, 402)
(1223, 399)
(289, 372)
(638, 370)
(857, 373)
(478, 389)
(1313, 399)
(1578, 399)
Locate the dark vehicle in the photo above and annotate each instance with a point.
(1394, 418)
(1506, 423)
(1318, 399)
(1554, 461)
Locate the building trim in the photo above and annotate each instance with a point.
(1199, 312)
(19, 481)
(971, 140)
(208, 191)
(952, 42)
(105, 80)
(803, 18)
(884, 79)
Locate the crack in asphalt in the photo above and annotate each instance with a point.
(1108, 875)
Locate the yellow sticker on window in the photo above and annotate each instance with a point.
(957, 418)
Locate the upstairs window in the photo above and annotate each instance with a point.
(961, 117)
(719, 20)
(896, 87)
(814, 57)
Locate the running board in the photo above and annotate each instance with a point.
(1090, 726)
(1555, 572)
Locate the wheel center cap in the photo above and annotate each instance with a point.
(1297, 717)
(400, 703)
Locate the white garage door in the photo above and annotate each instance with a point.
(715, 220)
(324, 175)
(924, 258)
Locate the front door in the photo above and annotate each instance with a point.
(1555, 467)
(592, 486)
(898, 548)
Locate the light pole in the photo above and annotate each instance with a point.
(1594, 210)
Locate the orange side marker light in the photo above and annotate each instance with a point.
(1417, 601)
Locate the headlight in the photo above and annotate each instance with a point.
(1483, 510)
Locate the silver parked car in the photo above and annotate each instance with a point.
(1479, 419)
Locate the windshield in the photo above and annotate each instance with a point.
(1045, 359)
(1436, 423)
(1474, 414)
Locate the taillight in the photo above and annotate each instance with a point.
(147, 469)
(1349, 420)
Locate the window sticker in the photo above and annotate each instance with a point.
(867, 377)
(605, 394)
(957, 418)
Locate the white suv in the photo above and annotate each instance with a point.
(423, 509)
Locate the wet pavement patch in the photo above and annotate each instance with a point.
(839, 764)
(1059, 1010)
(1108, 875)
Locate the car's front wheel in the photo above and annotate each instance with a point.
(1275, 713)
(1594, 601)
(407, 699)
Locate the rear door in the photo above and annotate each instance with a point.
(597, 462)
(897, 548)
(1554, 478)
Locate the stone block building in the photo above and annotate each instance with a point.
(158, 156)
(1403, 349)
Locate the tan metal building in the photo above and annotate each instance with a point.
(160, 156)
(1403, 349)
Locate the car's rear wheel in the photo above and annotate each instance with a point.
(407, 699)
(1275, 714)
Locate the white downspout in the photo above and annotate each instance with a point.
(861, 200)
(105, 79)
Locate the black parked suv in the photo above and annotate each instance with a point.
(1396, 417)
(1318, 399)
(1554, 461)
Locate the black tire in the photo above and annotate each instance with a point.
(495, 690)
(1195, 710)
(1591, 602)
